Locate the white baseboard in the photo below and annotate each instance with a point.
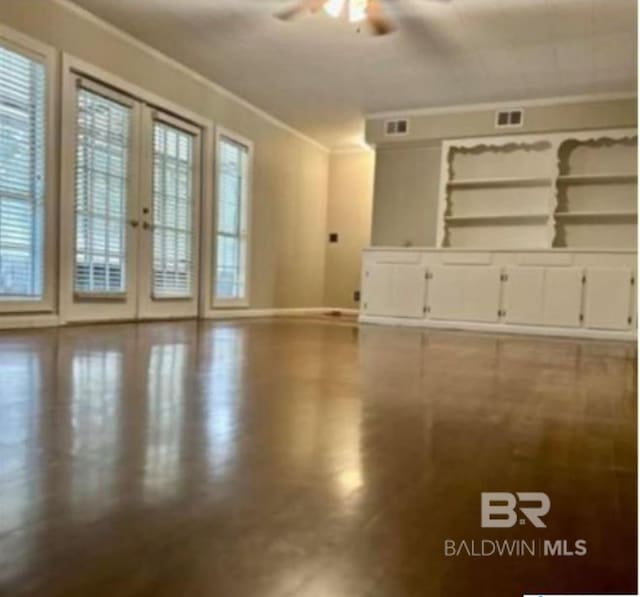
(354, 312)
(502, 328)
(12, 322)
(284, 312)
(17, 322)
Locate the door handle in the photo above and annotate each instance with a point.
(134, 223)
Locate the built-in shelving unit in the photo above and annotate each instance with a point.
(569, 190)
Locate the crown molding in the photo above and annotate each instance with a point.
(548, 101)
(123, 35)
(352, 149)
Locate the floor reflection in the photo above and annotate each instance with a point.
(165, 407)
(96, 395)
(222, 396)
(20, 466)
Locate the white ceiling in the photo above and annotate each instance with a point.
(319, 76)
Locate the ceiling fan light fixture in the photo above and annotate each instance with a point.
(334, 8)
(357, 10)
(352, 10)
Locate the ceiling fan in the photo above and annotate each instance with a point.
(353, 11)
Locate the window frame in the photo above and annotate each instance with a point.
(244, 301)
(35, 50)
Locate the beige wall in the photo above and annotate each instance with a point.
(537, 119)
(408, 168)
(290, 173)
(348, 215)
(405, 205)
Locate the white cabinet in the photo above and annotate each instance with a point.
(608, 298)
(524, 295)
(394, 290)
(464, 293)
(544, 296)
(562, 296)
(376, 295)
(553, 292)
(408, 295)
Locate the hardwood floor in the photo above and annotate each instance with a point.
(302, 458)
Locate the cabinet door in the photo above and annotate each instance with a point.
(608, 298)
(562, 296)
(461, 293)
(408, 290)
(524, 295)
(377, 295)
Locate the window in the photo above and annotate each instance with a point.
(102, 156)
(232, 221)
(22, 175)
(173, 172)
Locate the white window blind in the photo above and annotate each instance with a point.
(102, 155)
(172, 211)
(22, 176)
(231, 238)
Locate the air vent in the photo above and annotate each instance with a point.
(513, 118)
(393, 128)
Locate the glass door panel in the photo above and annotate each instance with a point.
(170, 206)
(103, 259)
(101, 191)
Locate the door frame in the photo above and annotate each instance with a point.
(73, 67)
(83, 307)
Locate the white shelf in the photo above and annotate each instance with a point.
(610, 178)
(495, 218)
(595, 214)
(479, 183)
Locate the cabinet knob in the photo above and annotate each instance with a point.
(134, 223)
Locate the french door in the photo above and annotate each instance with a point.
(132, 246)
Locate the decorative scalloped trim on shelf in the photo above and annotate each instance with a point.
(595, 139)
(509, 145)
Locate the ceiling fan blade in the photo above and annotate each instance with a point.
(376, 19)
(301, 7)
